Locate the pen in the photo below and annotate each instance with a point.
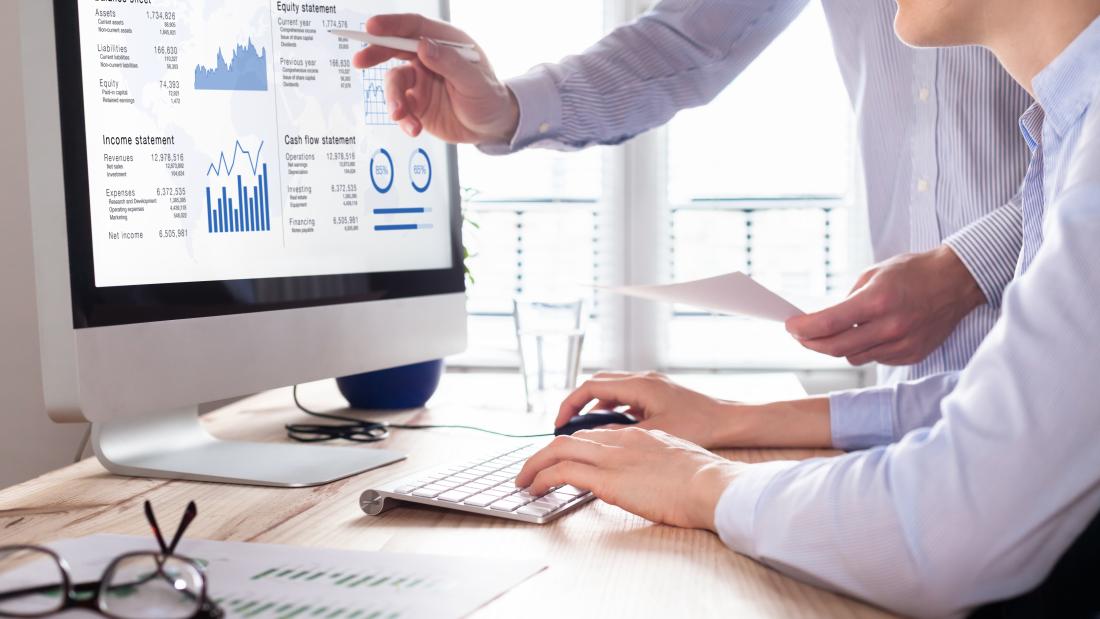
(466, 50)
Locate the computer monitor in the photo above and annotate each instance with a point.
(220, 204)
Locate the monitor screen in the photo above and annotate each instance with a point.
(230, 145)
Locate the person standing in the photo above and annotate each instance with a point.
(942, 161)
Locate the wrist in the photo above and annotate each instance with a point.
(707, 488)
(802, 423)
(511, 116)
(963, 287)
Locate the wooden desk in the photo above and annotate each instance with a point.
(603, 562)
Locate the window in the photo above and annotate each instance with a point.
(759, 180)
(773, 200)
(531, 215)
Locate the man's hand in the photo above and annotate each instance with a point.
(437, 90)
(655, 400)
(897, 313)
(646, 472)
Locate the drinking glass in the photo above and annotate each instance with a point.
(550, 334)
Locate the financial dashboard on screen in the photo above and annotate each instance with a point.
(232, 139)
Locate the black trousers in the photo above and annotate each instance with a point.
(1072, 589)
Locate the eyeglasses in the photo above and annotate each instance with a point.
(36, 582)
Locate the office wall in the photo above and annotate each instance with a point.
(30, 444)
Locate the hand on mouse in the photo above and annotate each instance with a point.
(660, 404)
(657, 403)
(649, 473)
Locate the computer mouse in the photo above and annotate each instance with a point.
(593, 419)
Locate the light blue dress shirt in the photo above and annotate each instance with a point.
(981, 505)
(942, 162)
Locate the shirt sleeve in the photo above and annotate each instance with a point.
(990, 249)
(681, 54)
(980, 506)
(863, 418)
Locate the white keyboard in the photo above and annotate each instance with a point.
(482, 486)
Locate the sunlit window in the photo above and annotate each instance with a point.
(760, 180)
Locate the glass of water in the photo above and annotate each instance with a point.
(550, 335)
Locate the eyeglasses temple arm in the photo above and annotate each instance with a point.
(156, 528)
(188, 515)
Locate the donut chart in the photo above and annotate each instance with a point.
(381, 170)
(420, 170)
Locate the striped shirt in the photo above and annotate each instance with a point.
(941, 160)
(981, 505)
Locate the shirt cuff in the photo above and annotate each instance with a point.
(862, 418)
(735, 514)
(539, 104)
(990, 249)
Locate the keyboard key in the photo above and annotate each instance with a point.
(534, 509)
(557, 499)
(506, 505)
(405, 489)
(500, 492)
(453, 496)
(430, 492)
(573, 490)
(481, 500)
(525, 496)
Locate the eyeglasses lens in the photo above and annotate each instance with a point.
(148, 586)
(31, 583)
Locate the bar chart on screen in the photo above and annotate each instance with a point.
(269, 581)
(252, 212)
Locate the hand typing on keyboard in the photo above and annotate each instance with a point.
(646, 472)
(485, 485)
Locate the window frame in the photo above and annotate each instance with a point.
(634, 215)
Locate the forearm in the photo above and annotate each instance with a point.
(679, 55)
(802, 423)
(947, 518)
(863, 418)
(990, 248)
(855, 419)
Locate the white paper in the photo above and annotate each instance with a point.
(732, 293)
(269, 581)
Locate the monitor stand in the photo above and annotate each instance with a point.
(176, 446)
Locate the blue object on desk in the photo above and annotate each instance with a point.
(407, 386)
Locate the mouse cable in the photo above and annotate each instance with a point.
(364, 431)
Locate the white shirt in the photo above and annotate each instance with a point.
(942, 162)
(981, 505)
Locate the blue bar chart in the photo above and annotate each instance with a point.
(233, 204)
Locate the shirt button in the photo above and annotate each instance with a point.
(924, 94)
(923, 185)
(544, 127)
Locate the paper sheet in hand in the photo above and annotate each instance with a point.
(272, 581)
(732, 293)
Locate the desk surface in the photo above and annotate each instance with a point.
(602, 561)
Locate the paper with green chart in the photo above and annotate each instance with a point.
(273, 581)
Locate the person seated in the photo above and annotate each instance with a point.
(970, 487)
